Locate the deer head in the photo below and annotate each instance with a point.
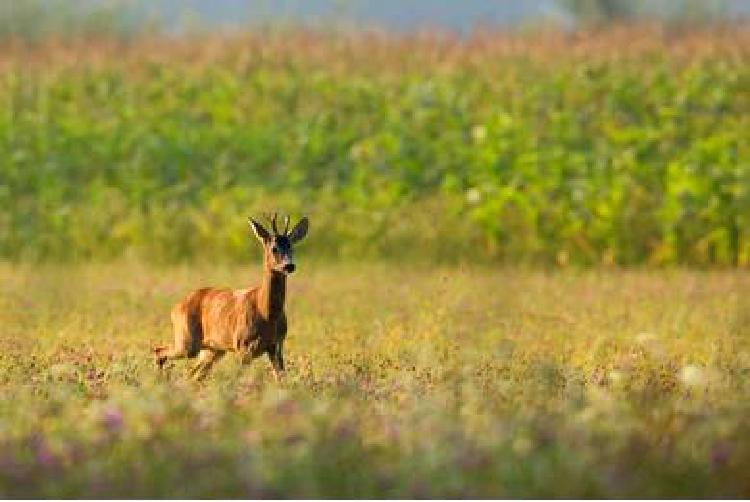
(277, 246)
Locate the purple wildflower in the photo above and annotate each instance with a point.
(112, 420)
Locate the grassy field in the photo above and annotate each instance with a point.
(402, 382)
(526, 155)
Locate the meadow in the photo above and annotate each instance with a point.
(525, 274)
(401, 382)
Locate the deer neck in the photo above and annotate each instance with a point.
(272, 293)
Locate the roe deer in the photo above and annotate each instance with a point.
(209, 321)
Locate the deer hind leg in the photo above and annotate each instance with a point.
(184, 342)
(206, 359)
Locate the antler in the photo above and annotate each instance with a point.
(273, 218)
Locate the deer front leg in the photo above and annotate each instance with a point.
(250, 351)
(276, 352)
(276, 355)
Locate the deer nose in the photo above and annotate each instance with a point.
(289, 268)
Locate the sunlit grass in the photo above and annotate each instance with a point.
(401, 382)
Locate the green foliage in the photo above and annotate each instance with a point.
(602, 10)
(694, 12)
(410, 149)
(402, 383)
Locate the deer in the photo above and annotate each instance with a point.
(209, 322)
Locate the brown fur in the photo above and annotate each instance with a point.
(209, 322)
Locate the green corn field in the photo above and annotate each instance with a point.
(623, 147)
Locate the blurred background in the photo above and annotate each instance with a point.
(592, 132)
(38, 17)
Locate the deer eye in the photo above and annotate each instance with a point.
(275, 249)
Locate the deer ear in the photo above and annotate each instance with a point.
(299, 231)
(260, 232)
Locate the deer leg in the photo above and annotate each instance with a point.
(206, 359)
(177, 351)
(276, 355)
(182, 342)
(162, 354)
(251, 351)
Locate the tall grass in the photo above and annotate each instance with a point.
(623, 146)
(402, 382)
